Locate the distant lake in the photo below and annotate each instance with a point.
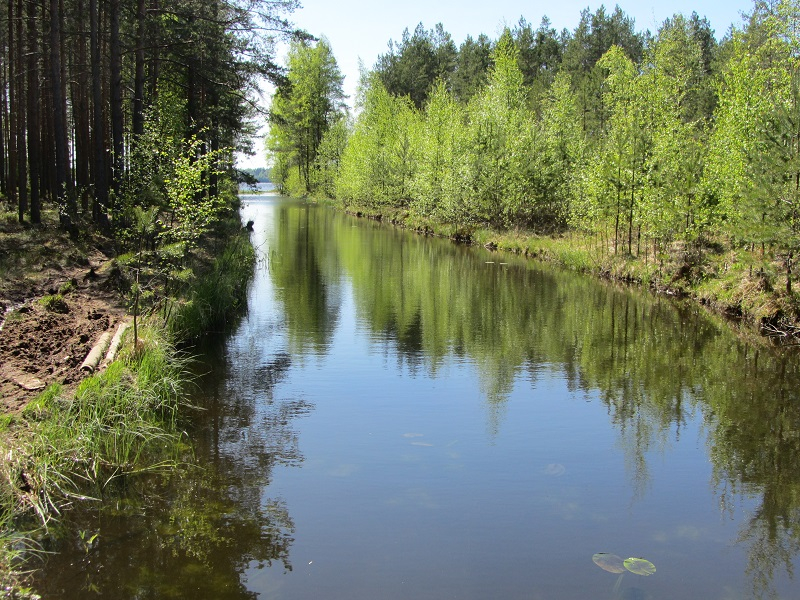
(261, 186)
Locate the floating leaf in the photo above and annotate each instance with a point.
(639, 566)
(609, 562)
(555, 469)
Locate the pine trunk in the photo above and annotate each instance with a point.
(139, 80)
(34, 143)
(65, 201)
(22, 163)
(117, 122)
(80, 108)
(12, 109)
(100, 208)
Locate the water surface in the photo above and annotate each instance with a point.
(399, 417)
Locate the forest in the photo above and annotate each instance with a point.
(109, 107)
(676, 151)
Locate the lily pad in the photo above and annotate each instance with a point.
(639, 566)
(609, 562)
(555, 469)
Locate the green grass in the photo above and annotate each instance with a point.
(219, 294)
(65, 449)
(54, 303)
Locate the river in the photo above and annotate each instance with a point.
(401, 417)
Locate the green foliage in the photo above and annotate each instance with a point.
(616, 171)
(218, 295)
(182, 204)
(595, 34)
(54, 303)
(540, 53)
(774, 169)
(303, 109)
(751, 159)
(472, 67)
(192, 207)
(412, 66)
(172, 192)
(437, 186)
(498, 130)
(559, 156)
(674, 206)
(378, 165)
(329, 157)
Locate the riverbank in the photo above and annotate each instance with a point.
(715, 275)
(69, 437)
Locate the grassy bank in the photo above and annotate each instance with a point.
(96, 441)
(215, 300)
(83, 446)
(717, 275)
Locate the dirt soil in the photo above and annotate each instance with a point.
(43, 343)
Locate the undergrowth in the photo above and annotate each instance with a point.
(219, 294)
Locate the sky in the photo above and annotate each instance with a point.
(361, 29)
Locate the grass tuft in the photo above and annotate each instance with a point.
(54, 303)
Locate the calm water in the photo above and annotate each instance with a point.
(398, 417)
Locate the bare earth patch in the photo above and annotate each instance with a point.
(43, 343)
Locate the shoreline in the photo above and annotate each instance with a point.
(751, 308)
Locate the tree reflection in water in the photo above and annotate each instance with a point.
(196, 534)
(656, 365)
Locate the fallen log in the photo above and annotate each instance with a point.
(97, 352)
(116, 342)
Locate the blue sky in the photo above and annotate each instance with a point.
(361, 29)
